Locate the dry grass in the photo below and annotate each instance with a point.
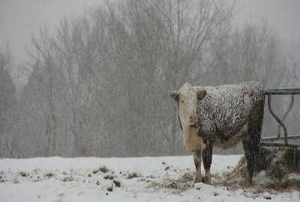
(288, 185)
(237, 177)
(289, 154)
(183, 183)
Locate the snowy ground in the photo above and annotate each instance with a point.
(120, 179)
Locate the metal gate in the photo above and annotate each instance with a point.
(288, 140)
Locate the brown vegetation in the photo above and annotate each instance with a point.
(278, 165)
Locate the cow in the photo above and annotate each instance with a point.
(221, 116)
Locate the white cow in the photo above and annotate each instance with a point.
(221, 116)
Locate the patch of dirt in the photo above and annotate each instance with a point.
(102, 169)
(2, 178)
(49, 175)
(117, 183)
(133, 175)
(108, 177)
(68, 179)
(24, 174)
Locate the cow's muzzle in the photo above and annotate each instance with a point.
(193, 119)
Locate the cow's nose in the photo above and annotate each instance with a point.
(192, 118)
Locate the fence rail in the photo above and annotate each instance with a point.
(269, 142)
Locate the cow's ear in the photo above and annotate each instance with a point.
(175, 94)
(201, 94)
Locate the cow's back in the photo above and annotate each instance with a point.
(225, 109)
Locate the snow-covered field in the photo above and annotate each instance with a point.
(121, 179)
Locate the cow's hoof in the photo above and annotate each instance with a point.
(207, 180)
(200, 179)
(203, 180)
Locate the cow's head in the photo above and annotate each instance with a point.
(187, 97)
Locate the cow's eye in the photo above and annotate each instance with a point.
(182, 101)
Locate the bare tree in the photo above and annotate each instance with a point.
(250, 53)
(100, 84)
(7, 105)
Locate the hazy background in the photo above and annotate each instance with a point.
(97, 83)
(19, 19)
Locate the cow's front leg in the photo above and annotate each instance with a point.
(207, 159)
(197, 160)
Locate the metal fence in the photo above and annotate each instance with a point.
(270, 142)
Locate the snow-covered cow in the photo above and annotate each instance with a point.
(221, 116)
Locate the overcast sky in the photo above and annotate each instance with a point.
(19, 19)
(283, 16)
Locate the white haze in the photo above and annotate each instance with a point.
(21, 19)
(282, 16)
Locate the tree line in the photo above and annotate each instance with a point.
(100, 84)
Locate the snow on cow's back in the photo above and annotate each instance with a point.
(232, 95)
(227, 107)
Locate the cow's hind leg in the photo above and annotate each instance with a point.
(207, 159)
(248, 154)
(255, 127)
(197, 160)
(251, 139)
